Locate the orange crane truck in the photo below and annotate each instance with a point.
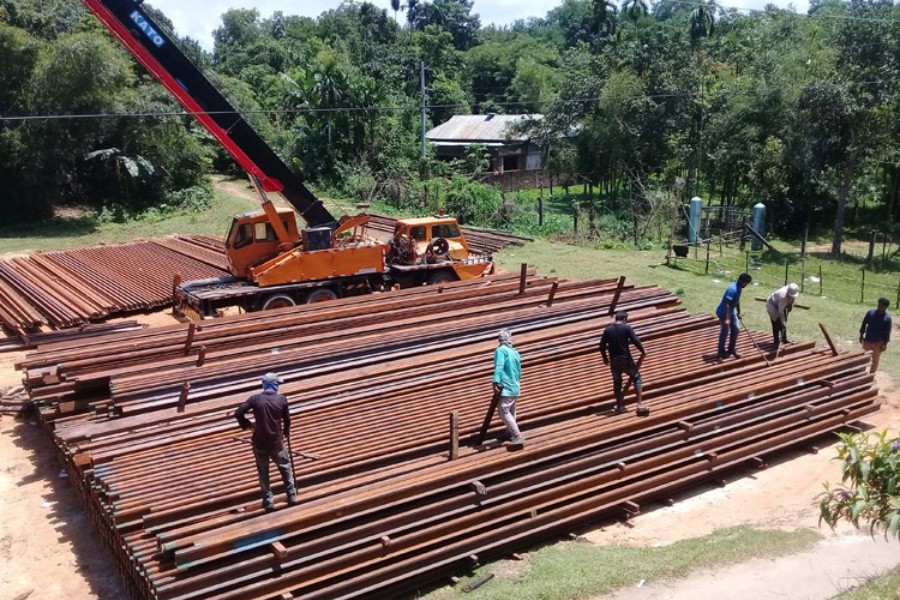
(273, 262)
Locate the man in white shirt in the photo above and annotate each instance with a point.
(779, 306)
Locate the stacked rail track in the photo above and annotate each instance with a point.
(72, 287)
(69, 288)
(388, 504)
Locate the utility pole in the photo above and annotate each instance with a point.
(422, 103)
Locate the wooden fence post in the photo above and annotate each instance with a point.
(862, 288)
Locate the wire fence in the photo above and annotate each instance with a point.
(846, 281)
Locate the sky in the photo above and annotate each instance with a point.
(199, 19)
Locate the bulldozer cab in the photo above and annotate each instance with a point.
(252, 240)
(429, 239)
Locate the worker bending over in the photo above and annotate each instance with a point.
(779, 306)
(729, 313)
(271, 419)
(615, 340)
(507, 377)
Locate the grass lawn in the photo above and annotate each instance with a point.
(701, 293)
(66, 233)
(573, 570)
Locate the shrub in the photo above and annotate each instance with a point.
(868, 490)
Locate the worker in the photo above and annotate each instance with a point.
(616, 339)
(779, 305)
(875, 331)
(507, 378)
(272, 424)
(729, 313)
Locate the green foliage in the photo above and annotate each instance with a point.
(640, 102)
(868, 492)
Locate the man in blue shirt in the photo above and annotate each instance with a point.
(507, 375)
(729, 313)
(875, 331)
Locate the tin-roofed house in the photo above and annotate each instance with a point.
(512, 153)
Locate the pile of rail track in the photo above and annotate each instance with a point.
(72, 287)
(387, 394)
(64, 289)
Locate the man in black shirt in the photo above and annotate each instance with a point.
(272, 418)
(615, 340)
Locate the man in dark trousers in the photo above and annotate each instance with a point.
(271, 419)
(615, 341)
(875, 331)
(729, 313)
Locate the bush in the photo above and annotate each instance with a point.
(868, 490)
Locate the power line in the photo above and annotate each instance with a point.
(383, 108)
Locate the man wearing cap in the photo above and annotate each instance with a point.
(779, 305)
(272, 418)
(729, 313)
(507, 378)
(615, 341)
(875, 331)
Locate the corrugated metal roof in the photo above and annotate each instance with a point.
(479, 128)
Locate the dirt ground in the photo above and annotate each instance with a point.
(47, 547)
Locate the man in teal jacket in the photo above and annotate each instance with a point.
(507, 375)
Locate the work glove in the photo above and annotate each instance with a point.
(498, 388)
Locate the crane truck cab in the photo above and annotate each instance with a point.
(433, 250)
(251, 239)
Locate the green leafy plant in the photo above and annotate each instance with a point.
(868, 490)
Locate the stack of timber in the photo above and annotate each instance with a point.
(388, 502)
(68, 288)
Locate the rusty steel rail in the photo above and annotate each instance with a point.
(63, 289)
(172, 490)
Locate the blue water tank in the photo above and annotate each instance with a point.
(759, 224)
(695, 209)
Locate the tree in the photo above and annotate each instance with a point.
(455, 16)
(703, 20)
(635, 9)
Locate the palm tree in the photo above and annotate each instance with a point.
(703, 20)
(395, 6)
(635, 9)
(603, 11)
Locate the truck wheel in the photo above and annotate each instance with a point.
(441, 277)
(278, 301)
(320, 295)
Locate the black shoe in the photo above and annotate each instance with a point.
(292, 501)
(268, 507)
(736, 354)
(721, 356)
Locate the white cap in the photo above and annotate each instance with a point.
(793, 290)
(271, 377)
